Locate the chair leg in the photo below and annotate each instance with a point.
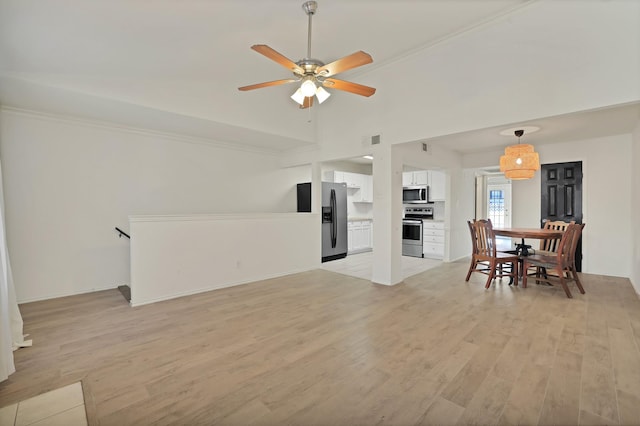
(577, 279)
(471, 268)
(525, 268)
(492, 274)
(563, 283)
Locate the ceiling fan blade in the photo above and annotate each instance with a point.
(343, 64)
(348, 86)
(277, 57)
(308, 102)
(267, 84)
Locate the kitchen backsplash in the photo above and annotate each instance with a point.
(438, 210)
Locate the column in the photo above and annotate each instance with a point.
(387, 215)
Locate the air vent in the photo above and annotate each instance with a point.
(425, 147)
(375, 140)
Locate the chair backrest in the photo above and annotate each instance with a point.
(485, 238)
(568, 244)
(558, 225)
(474, 238)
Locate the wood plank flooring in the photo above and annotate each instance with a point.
(320, 348)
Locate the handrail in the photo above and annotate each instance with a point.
(121, 233)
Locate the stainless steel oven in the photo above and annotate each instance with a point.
(412, 237)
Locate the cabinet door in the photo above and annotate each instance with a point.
(421, 178)
(436, 185)
(366, 234)
(367, 188)
(350, 237)
(407, 178)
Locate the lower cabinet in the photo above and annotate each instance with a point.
(433, 239)
(359, 236)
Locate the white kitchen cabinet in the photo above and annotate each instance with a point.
(366, 191)
(420, 177)
(437, 184)
(349, 237)
(359, 236)
(366, 234)
(433, 239)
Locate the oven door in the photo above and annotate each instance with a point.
(411, 231)
(412, 238)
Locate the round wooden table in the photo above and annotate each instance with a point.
(537, 233)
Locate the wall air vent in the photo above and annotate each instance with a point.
(375, 140)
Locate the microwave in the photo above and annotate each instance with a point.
(415, 194)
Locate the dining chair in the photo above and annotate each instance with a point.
(485, 258)
(562, 262)
(550, 246)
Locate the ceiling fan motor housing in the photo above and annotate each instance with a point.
(310, 7)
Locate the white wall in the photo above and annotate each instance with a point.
(69, 183)
(173, 256)
(606, 204)
(460, 208)
(545, 59)
(635, 208)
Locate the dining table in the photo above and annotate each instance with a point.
(522, 233)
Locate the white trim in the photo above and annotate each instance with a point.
(216, 217)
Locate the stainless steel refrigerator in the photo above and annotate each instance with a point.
(334, 221)
(334, 217)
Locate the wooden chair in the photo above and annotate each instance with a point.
(549, 247)
(485, 258)
(562, 262)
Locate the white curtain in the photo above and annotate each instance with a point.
(11, 337)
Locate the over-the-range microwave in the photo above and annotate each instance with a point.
(418, 194)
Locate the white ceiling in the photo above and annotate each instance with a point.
(175, 65)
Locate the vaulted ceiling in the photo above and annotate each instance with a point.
(176, 65)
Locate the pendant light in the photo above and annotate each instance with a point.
(519, 161)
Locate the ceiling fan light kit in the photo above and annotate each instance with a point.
(312, 73)
(519, 161)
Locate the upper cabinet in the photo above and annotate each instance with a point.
(360, 186)
(433, 178)
(437, 185)
(366, 192)
(415, 178)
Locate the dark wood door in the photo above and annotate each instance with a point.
(561, 196)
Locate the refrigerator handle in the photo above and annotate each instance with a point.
(334, 226)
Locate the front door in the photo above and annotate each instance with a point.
(499, 205)
(561, 196)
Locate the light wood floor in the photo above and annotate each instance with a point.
(321, 348)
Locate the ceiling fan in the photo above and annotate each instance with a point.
(314, 74)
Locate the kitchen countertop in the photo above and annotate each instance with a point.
(355, 218)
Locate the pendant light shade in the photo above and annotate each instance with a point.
(519, 161)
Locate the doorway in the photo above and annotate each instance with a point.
(499, 204)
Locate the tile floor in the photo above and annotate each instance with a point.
(359, 265)
(63, 406)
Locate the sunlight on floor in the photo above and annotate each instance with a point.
(360, 265)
